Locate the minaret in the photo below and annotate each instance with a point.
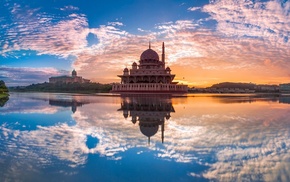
(163, 53)
(162, 132)
(148, 140)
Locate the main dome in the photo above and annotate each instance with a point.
(149, 54)
(149, 131)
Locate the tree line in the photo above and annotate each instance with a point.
(65, 87)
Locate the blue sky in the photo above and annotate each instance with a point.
(206, 41)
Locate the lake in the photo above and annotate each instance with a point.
(75, 137)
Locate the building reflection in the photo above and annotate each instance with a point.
(230, 99)
(284, 100)
(72, 102)
(149, 111)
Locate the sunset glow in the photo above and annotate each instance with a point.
(206, 42)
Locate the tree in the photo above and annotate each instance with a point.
(3, 88)
(3, 93)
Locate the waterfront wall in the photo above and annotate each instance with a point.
(149, 87)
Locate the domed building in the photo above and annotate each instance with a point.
(150, 75)
(68, 79)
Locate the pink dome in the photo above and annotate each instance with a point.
(149, 54)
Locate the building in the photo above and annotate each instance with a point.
(68, 79)
(267, 88)
(285, 87)
(150, 75)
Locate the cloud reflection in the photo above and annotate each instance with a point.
(240, 141)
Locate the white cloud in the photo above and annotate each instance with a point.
(69, 8)
(116, 23)
(268, 20)
(33, 30)
(193, 8)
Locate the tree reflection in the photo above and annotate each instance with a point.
(3, 100)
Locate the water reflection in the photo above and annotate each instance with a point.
(205, 138)
(72, 102)
(149, 111)
(285, 100)
(251, 98)
(3, 101)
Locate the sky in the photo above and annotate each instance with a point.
(206, 41)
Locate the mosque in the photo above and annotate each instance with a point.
(150, 75)
(150, 113)
(68, 79)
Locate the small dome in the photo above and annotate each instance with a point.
(74, 73)
(168, 69)
(125, 115)
(126, 70)
(149, 54)
(134, 64)
(167, 117)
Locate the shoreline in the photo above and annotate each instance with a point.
(4, 95)
(109, 94)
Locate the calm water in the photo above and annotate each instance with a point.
(64, 137)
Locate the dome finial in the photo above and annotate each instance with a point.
(149, 45)
(74, 73)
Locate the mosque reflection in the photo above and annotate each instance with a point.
(149, 111)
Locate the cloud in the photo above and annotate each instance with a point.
(46, 34)
(69, 8)
(15, 76)
(257, 46)
(142, 30)
(267, 20)
(193, 8)
(198, 50)
(116, 23)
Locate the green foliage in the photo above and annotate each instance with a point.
(3, 93)
(66, 87)
(3, 88)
